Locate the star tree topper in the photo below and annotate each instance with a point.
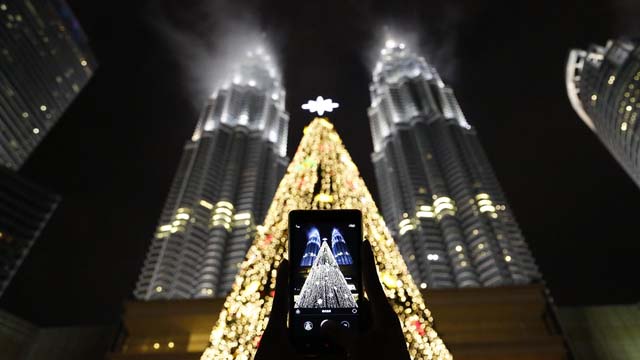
(320, 105)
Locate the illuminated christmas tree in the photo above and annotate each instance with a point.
(325, 287)
(320, 176)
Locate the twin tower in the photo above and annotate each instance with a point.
(437, 191)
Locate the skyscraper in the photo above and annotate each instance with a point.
(438, 193)
(223, 186)
(25, 208)
(44, 63)
(603, 84)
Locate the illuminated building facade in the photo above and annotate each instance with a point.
(603, 84)
(25, 208)
(438, 193)
(45, 61)
(225, 181)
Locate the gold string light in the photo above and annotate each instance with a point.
(320, 157)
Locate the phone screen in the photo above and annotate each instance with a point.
(325, 278)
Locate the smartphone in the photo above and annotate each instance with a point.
(325, 279)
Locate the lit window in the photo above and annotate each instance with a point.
(36, 130)
(206, 204)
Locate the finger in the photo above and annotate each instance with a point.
(280, 305)
(339, 335)
(366, 315)
(372, 284)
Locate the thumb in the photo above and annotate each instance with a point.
(339, 335)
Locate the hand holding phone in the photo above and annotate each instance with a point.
(383, 339)
(325, 277)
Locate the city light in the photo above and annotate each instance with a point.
(206, 204)
(242, 216)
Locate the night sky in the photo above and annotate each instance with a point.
(113, 154)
